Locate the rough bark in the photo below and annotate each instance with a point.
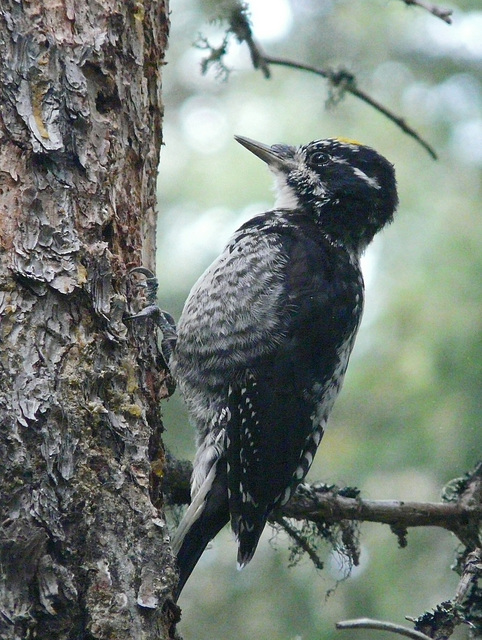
(84, 552)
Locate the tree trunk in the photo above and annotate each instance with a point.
(84, 551)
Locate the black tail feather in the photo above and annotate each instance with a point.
(196, 540)
(247, 543)
(214, 516)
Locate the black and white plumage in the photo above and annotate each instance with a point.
(266, 333)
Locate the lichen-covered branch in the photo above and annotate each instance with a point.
(313, 503)
(464, 608)
(321, 503)
(329, 514)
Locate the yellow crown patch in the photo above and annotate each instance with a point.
(348, 141)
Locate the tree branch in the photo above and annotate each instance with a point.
(464, 608)
(311, 503)
(441, 622)
(439, 12)
(472, 568)
(326, 510)
(343, 81)
(324, 504)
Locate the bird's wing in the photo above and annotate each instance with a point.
(280, 401)
(233, 315)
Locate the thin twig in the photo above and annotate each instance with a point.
(301, 542)
(348, 83)
(240, 26)
(439, 12)
(381, 625)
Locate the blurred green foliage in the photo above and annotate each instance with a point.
(408, 419)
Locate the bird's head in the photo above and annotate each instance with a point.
(348, 188)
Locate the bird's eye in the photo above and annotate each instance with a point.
(318, 159)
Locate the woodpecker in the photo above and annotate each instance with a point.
(265, 336)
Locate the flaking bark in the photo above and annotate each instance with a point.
(83, 543)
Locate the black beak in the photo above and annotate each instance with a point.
(278, 157)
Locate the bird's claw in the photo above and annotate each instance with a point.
(163, 320)
(151, 283)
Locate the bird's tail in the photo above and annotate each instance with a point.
(247, 544)
(205, 517)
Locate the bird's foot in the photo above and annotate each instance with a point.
(163, 320)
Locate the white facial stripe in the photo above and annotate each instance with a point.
(373, 182)
(337, 160)
(285, 195)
